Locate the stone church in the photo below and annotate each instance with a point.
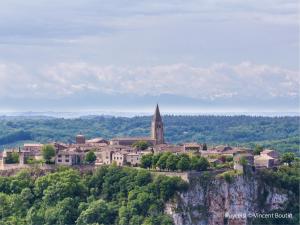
(157, 127)
(157, 133)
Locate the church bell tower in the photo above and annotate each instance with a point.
(157, 127)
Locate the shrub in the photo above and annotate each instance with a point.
(48, 152)
(228, 176)
(12, 157)
(90, 157)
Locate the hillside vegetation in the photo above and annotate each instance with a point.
(281, 133)
(111, 195)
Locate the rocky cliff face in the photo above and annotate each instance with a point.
(211, 200)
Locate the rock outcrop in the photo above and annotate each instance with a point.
(214, 201)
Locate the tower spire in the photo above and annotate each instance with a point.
(157, 127)
(157, 116)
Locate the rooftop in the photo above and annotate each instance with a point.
(132, 139)
(33, 145)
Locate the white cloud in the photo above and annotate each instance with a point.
(219, 81)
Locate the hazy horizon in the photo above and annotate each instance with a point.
(132, 113)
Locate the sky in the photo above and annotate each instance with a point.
(204, 55)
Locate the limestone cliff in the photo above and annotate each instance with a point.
(212, 200)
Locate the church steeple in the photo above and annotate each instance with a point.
(157, 116)
(157, 127)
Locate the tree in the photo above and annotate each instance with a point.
(171, 163)
(288, 158)
(146, 161)
(183, 163)
(48, 152)
(155, 159)
(162, 162)
(229, 158)
(141, 145)
(243, 161)
(64, 212)
(199, 163)
(90, 157)
(12, 157)
(143, 177)
(97, 212)
(258, 149)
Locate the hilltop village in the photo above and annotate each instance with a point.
(128, 151)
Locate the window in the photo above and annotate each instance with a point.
(67, 156)
(59, 156)
(59, 160)
(67, 160)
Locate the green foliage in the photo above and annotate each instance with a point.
(32, 160)
(110, 195)
(90, 157)
(141, 145)
(199, 163)
(288, 158)
(184, 162)
(223, 165)
(64, 212)
(172, 161)
(243, 161)
(229, 175)
(14, 135)
(279, 133)
(146, 161)
(48, 152)
(12, 157)
(162, 161)
(258, 149)
(229, 158)
(98, 211)
(288, 144)
(286, 177)
(155, 159)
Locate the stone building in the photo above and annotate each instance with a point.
(242, 160)
(33, 147)
(157, 127)
(191, 147)
(133, 159)
(97, 141)
(69, 157)
(157, 133)
(129, 141)
(119, 158)
(80, 139)
(168, 148)
(267, 158)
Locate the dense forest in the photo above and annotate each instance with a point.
(110, 195)
(281, 133)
